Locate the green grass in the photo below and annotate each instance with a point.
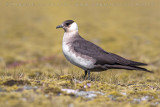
(34, 72)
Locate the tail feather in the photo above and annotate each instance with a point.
(127, 68)
(134, 63)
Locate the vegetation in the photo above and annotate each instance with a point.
(34, 72)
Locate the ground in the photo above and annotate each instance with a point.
(34, 72)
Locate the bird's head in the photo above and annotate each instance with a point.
(68, 26)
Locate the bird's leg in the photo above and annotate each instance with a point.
(88, 74)
(85, 74)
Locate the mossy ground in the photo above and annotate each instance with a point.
(34, 72)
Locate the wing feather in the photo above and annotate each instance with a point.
(102, 57)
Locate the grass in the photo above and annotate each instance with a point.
(34, 72)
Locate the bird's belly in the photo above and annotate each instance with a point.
(77, 59)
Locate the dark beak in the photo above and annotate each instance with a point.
(59, 26)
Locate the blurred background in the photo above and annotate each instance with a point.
(127, 27)
(34, 72)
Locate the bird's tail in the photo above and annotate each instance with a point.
(134, 63)
(127, 68)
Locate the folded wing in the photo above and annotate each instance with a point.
(102, 57)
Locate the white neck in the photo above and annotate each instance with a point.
(68, 36)
(73, 28)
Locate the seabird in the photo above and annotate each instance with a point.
(89, 56)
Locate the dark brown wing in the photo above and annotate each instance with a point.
(102, 57)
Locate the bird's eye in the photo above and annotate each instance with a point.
(67, 24)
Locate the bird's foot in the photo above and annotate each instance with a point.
(87, 72)
(88, 75)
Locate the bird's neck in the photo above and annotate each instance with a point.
(70, 36)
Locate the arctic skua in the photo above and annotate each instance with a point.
(90, 57)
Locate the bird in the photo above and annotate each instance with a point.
(90, 57)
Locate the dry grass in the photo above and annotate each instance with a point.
(33, 70)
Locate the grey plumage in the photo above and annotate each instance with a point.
(104, 59)
(99, 59)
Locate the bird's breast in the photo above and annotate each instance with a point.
(76, 58)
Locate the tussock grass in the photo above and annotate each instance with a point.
(33, 70)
